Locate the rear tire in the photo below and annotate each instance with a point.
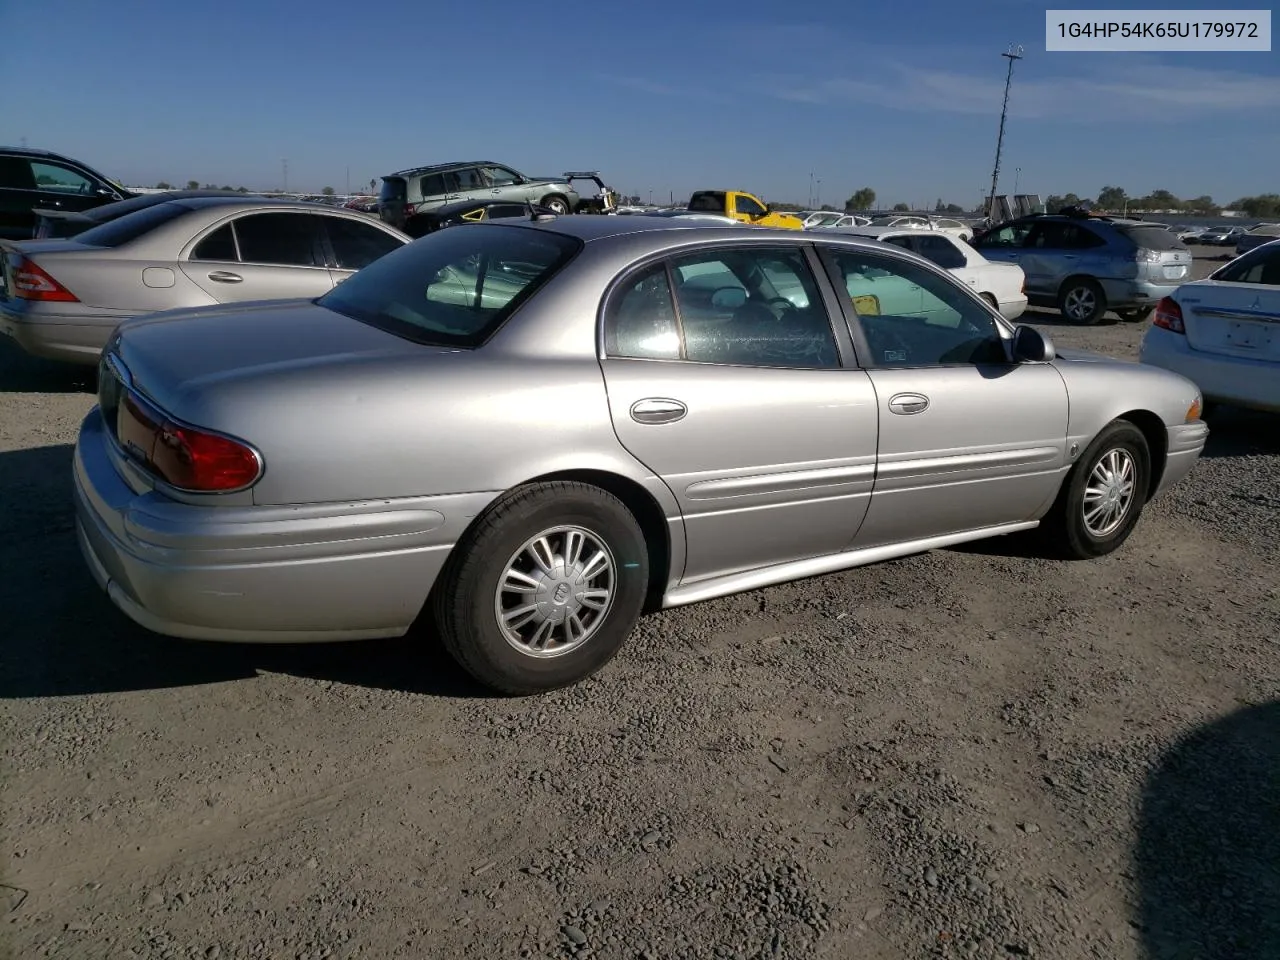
(1102, 497)
(1082, 301)
(556, 204)
(995, 304)
(569, 613)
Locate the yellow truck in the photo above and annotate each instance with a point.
(744, 207)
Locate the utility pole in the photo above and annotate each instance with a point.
(1017, 175)
(284, 169)
(817, 196)
(1013, 54)
(810, 189)
(348, 181)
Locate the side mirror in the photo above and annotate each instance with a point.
(1031, 346)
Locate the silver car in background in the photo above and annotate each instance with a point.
(522, 432)
(62, 298)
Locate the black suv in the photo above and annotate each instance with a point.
(38, 178)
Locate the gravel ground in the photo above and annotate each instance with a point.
(969, 753)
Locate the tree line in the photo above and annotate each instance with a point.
(1115, 200)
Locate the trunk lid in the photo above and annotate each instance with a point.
(1232, 319)
(175, 356)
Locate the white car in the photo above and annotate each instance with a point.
(906, 221)
(1223, 332)
(955, 228)
(833, 221)
(1003, 285)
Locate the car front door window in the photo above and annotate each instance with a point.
(56, 178)
(937, 324)
(748, 206)
(500, 176)
(1009, 236)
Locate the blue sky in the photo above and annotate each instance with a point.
(903, 97)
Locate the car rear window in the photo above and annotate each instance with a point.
(1153, 237)
(453, 287)
(392, 189)
(122, 230)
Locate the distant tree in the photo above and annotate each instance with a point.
(939, 207)
(1112, 198)
(225, 187)
(1054, 203)
(162, 185)
(328, 191)
(901, 208)
(193, 184)
(242, 189)
(829, 208)
(209, 186)
(863, 199)
(1263, 205)
(953, 208)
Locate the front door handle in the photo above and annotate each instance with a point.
(908, 403)
(658, 410)
(224, 276)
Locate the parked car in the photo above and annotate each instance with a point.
(62, 298)
(39, 178)
(1222, 236)
(1190, 234)
(1223, 332)
(61, 224)
(901, 221)
(470, 211)
(1003, 285)
(1262, 233)
(836, 221)
(961, 231)
(408, 193)
(343, 468)
(1086, 265)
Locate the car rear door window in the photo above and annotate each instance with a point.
(356, 245)
(910, 316)
(939, 250)
(281, 239)
(219, 245)
(641, 322)
(1058, 235)
(756, 306)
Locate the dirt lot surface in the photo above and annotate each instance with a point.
(969, 753)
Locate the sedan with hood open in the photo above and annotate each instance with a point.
(523, 433)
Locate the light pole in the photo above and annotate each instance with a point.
(817, 196)
(284, 168)
(1013, 54)
(1017, 175)
(348, 181)
(810, 188)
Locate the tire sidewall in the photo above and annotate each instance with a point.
(1079, 540)
(554, 200)
(607, 519)
(1099, 298)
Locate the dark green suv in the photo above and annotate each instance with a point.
(408, 193)
(31, 179)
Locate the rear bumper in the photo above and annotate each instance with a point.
(259, 574)
(71, 338)
(1240, 381)
(1137, 293)
(1012, 309)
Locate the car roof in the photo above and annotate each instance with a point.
(205, 202)
(589, 228)
(34, 152)
(882, 231)
(442, 167)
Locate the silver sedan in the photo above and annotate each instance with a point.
(522, 433)
(62, 298)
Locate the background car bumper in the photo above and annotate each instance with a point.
(1236, 380)
(1012, 309)
(73, 338)
(257, 574)
(1137, 293)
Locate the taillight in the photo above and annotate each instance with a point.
(181, 455)
(31, 282)
(1169, 316)
(409, 211)
(1147, 256)
(191, 459)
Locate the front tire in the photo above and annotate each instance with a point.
(1103, 496)
(545, 588)
(1082, 301)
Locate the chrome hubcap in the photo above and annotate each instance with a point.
(555, 592)
(1109, 493)
(1080, 303)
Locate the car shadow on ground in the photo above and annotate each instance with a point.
(23, 373)
(1241, 433)
(62, 636)
(1050, 317)
(1207, 856)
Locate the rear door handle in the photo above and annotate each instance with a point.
(908, 403)
(224, 276)
(658, 410)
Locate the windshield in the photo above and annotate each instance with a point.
(454, 287)
(121, 230)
